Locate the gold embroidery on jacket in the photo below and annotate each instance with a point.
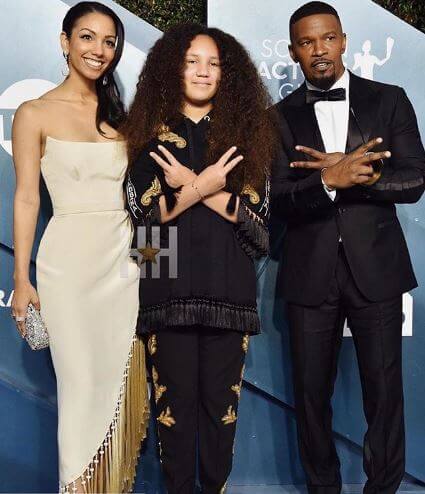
(154, 190)
(223, 489)
(155, 376)
(252, 193)
(165, 134)
(237, 389)
(166, 418)
(152, 346)
(245, 342)
(159, 388)
(230, 416)
(159, 391)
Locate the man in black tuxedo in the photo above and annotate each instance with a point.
(345, 255)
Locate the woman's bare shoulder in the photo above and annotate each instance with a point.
(36, 107)
(29, 112)
(36, 111)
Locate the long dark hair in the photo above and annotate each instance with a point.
(110, 108)
(239, 115)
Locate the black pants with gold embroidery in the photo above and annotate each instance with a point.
(197, 376)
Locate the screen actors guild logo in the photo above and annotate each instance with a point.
(366, 62)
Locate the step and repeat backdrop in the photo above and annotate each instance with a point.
(381, 47)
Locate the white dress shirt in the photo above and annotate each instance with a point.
(332, 118)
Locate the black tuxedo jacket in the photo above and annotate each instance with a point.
(364, 217)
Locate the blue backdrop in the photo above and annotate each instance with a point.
(266, 452)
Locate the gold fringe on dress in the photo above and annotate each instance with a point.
(113, 468)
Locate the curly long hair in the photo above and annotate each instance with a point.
(239, 116)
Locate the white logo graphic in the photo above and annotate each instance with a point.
(12, 97)
(284, 69)
(4, 300)
(407, 329)
(366, 61)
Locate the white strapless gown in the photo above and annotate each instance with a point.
(88, 288)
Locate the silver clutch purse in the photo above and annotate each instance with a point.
(36, 332)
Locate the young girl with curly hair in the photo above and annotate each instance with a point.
(200, 144)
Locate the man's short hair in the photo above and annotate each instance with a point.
(312, 8)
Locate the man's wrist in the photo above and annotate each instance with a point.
(325, 182)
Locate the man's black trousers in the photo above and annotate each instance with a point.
(316, 335)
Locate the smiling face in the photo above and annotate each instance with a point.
(91, 47)
(318, 44)
(202, 72)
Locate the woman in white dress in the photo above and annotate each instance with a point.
(87, 283)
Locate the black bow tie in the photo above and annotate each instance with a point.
(312, 97)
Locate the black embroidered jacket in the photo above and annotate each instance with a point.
(204, 271)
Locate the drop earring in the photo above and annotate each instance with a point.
(65, 68)
(105, 80)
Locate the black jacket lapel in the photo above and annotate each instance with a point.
(354, 134)
(303, 123)
(364, 103)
